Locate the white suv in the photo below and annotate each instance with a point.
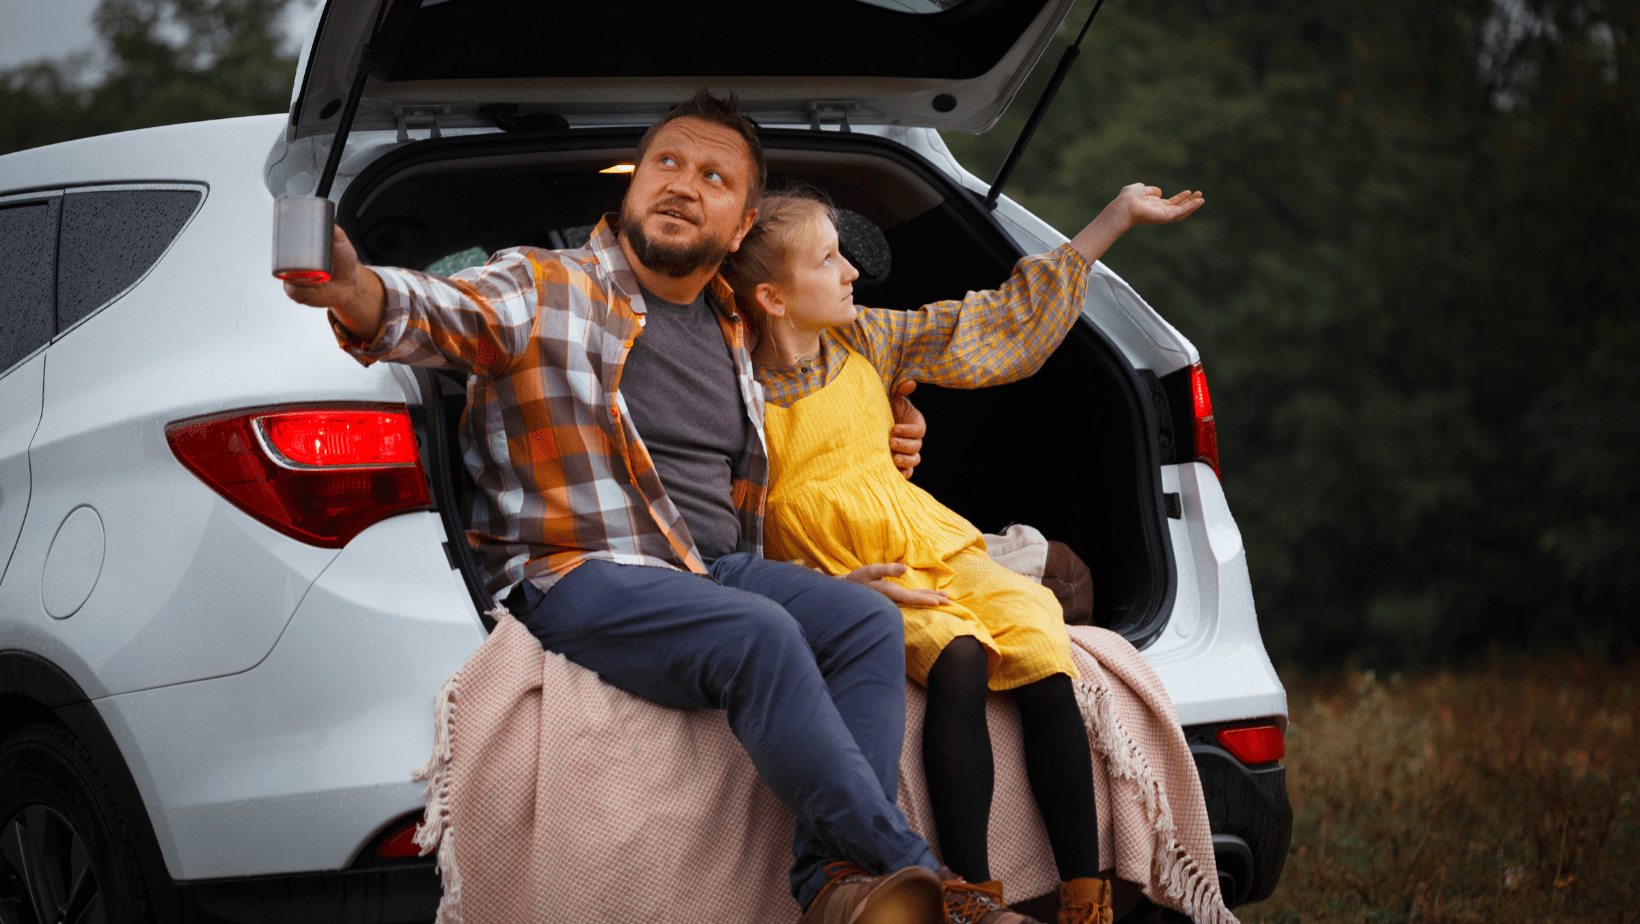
(219, 643)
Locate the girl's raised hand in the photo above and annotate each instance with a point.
(1136, 204)
(1145, 205)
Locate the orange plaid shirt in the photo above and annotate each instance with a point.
(563, 476)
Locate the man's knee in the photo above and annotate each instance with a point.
(863, 627)
(763, 628)
(877, 617)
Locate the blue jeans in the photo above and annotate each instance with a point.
(809, 668)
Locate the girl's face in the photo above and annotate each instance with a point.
(819, 290)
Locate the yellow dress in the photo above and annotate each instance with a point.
(836, 502)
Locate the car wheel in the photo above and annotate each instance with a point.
(66, 854)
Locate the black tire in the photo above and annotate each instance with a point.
(67, 855)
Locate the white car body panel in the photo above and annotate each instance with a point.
(19, 417)
(1211, 656)
(162, 612)
(291, 766)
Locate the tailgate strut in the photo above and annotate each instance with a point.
(350, 106)
(1058, 78)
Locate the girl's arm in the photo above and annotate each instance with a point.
(1005, 334)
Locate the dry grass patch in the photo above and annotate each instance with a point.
(1502, 794)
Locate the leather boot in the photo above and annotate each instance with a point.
(1084, 901)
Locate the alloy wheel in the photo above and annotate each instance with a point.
(46, 875)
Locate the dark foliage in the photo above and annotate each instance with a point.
(167, 61)
(1414, 288)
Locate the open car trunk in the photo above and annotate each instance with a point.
(947, 64)
(1073, 451)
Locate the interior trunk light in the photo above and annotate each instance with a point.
(1207, 432)
(1257, 744)
(401, 845)
(317, 474)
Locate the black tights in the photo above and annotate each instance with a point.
(957, 762)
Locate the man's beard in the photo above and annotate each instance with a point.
(672, 260)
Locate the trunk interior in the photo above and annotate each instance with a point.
(1073, 451)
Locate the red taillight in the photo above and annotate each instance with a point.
(1207, 432)
(401, 844)
(325, 439)
(317, 474)
(1257, 744)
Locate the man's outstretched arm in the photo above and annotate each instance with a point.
(478, 321)
(354, 293)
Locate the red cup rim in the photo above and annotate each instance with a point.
(302, 275)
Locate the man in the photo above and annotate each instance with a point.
(615, 432)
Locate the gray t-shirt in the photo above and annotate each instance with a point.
(680, 388)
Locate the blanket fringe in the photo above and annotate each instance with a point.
(436, 830)
(437, 769)
(1175, 870)
(449, 906)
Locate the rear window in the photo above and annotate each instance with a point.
(27, 241)
(497, 39)
(110, 239)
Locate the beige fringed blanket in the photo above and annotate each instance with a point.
(554, 796)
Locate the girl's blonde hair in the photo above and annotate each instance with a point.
(766, 251)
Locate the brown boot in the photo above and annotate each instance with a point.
(854, 896)
(977, 902)
(1084, 901)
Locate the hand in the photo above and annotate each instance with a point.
(906, 436)
(1136, 204)
(353, 292)
(1145, 205)
(875, 577)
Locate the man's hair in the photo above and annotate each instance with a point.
(726, 112)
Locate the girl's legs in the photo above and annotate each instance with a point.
(957, 758)
(1060, 767)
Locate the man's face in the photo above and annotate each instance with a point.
(686, 207)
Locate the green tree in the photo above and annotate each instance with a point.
(1413, 287)
(167, 61)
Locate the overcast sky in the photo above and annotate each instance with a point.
(35, 29)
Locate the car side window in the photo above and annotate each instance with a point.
(28, 245)
(110, 239)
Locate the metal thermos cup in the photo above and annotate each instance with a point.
(301, 237)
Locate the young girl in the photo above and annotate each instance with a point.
(837, 503)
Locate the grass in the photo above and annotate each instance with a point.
(1506, 793)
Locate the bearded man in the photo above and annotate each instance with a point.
(615, 433)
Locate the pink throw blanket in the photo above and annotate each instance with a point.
(555, 796)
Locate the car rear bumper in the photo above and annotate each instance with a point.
(402, 895)
(1250, 816)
